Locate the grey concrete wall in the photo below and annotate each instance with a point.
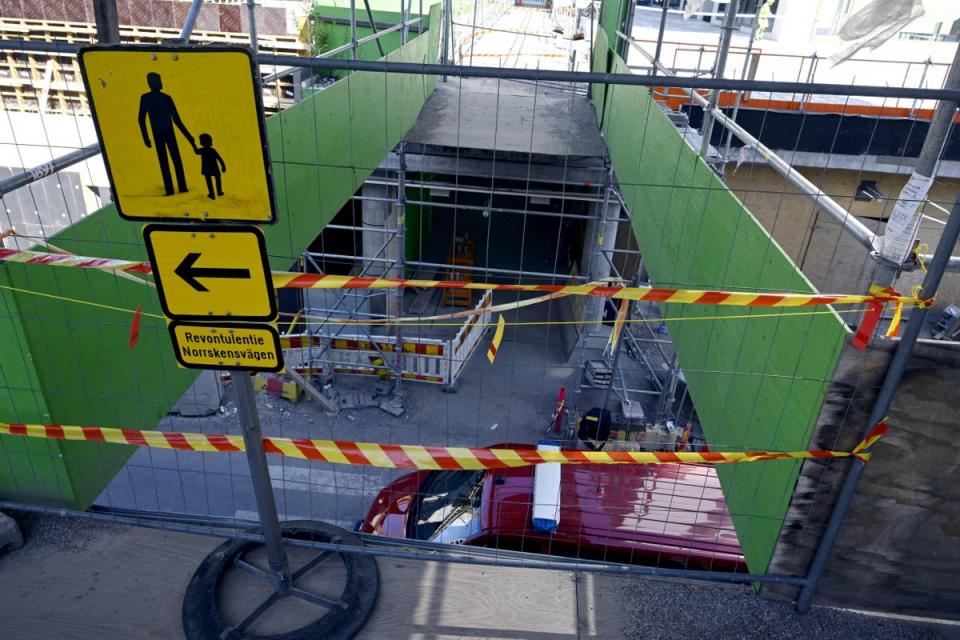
(814, 241)
(899, 549)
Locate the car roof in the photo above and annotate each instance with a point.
(680, 505)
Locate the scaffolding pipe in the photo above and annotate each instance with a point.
(400, 239)
(743, 75)
(27, 176)
(338, 50)
(547, 75)
(252, 19)
(471, 207)
(105, 17)
(441, 265)
(190, 20)
(663, 27)
(726, 34)
(373, 26)
(353, 29)
(583, 197)
(847, 220)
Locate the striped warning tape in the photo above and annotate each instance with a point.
(290, 280)
(497, 338)
(650, 294)
(70, 260)
(403, 456)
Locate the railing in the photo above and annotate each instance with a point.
(430, 360)
(464, 343)
(691, 59)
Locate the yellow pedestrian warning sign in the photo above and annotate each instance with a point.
(211, 272)
(227, 345)
(182, 131)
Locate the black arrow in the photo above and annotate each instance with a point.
(190, 273)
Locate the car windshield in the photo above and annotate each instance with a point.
(447, 507)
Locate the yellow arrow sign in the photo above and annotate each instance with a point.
(211, 272)
(181, 131)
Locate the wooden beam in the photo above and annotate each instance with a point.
(311, 391)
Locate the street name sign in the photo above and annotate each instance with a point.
(227, 345)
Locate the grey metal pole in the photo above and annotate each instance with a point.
(936, 137)
(725, 37)
(541, 75)
(473, 29)
(593, 17)
(444, 37)
(939, 124)
(401, 256)
(616, 360)
(616, 356)
(252, 19)
(33, 174)
(191, 20)
(260, 477)
(628, 29)
(618, 45)
(935, 270)
(743, 76)
(108, 25)
(373, 27)
(353, 28)
(663, 28)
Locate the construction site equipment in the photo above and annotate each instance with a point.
(430, 360)
(598, 373)
(949, 323)
(460, 255)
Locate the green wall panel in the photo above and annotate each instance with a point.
(756, 383)
(75, 366)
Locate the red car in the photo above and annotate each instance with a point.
(664, 515)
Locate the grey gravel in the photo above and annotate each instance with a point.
(43, 530)
(668, 610)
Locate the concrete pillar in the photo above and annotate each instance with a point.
(380, 216)
(601, 233)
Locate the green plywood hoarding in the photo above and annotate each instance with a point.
(757, 382)
(72, 364)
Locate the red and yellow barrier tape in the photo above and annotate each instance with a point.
(497, 339)
(650, 294)
(289, 280)
(403, 456)
(70, 260)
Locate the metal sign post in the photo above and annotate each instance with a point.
(262, 489)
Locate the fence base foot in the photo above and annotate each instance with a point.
(10, 536)
(211, 608)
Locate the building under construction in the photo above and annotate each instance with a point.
(499, 161)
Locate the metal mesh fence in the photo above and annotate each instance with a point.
(500, 179)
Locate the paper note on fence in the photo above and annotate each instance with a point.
(901, 230)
